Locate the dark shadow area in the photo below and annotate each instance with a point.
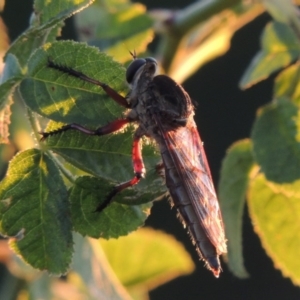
(225, 114)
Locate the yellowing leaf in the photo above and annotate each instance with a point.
(275, 213)
(287, 84)
(116, 27)
(147, 257)
(232, 190)
(280, 46)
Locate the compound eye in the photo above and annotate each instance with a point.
(133, 68)
(151, 59)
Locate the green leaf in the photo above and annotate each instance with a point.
(11, 77)
(113, 221)
(275, 213)
(280, 46)
(12, 68)
(45, 26)
(116, 27)
(232, 192)
(281, 11)
(58, 10)
(5, 114)
(97, 278)
(40, 288)
(276, 141)
(34, 210)
(147, 258)
(287, 84)
(64, 98)
(107, 156)
(30, 40)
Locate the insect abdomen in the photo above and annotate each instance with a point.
(206, 250)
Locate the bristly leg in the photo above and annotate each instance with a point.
(138, 165)
(109, 128)
(139, 172)
(116, 190)
(107, 89)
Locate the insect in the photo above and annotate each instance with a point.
(164, 112)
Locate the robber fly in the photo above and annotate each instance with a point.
(164, 112)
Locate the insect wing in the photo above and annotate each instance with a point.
(187, 152)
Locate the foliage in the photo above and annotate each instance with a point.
(265, 168)
(52, 188)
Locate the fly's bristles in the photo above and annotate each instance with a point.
(65, 69)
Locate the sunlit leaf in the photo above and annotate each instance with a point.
(287, 84)
(91, 275)
(280, 46)
(107, 156)
(276, 141)
(116, 27)
(4, 123)
(46, 24)
(30, 40)
(57, 10)
(35, 212)
(64, 98)
(281, 11)
(147, 258)
(10, 78)
(113, 221)
(275, 213)
(232, 193)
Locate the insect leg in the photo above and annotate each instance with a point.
(107, 89)
(139, 172)
(109, 128)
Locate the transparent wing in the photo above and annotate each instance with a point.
(186, 150)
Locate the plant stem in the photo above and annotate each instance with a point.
(183, 21)
(198, 12)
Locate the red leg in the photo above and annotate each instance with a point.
(109, 128)
(112, 126)
(137, 159)
(139, 172)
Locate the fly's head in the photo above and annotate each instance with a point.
(146, 66)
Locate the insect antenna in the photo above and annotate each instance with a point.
(133, 54)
